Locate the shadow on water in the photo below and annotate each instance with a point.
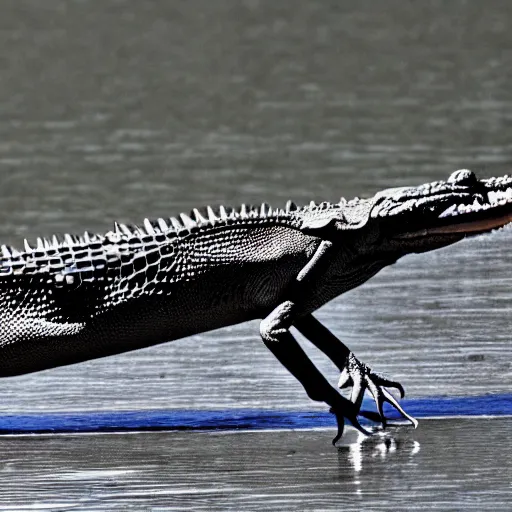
(243, 419)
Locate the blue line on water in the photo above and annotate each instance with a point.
(240, 419)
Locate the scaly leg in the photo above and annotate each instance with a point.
(353, 372)
(275, 333)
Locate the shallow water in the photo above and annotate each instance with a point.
(122, 110)
(402, 469)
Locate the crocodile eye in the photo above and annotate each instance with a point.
(463, 177)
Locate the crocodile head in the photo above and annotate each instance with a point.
(418, 219)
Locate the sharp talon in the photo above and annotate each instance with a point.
(381, 381)
(344, 380)
(337, 437)
(391, 399)
(357, 426)
(340, 420)
(377, 396)
(362, 378)
(380, 408)
(397, 386)
(356, 397)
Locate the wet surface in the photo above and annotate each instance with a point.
(402, 469)
(122, 110)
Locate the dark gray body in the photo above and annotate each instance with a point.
(77, 298)
(132, 290)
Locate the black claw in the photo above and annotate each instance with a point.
(361, 378)
(337, 437)
(391, 399)
(380, 407)
(341, 427)
(381, 413)
(377, 397)
(381, 381)
(357, 426)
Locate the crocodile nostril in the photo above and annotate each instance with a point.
(463, 177)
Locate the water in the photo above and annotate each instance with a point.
(122, 110)
(263, 470)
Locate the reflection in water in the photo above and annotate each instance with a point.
(381, 445)
(255, 471)
(385, 446)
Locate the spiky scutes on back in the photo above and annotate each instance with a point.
(64, 255)
(130, 261)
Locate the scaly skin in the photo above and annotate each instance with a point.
(72, 299)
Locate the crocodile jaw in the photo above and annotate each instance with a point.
(474, 227)
(472, 207)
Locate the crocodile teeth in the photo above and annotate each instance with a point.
(117, 229)
(69, 240)
(187, 221)
(163, 225)
(476, 205)
(149, 227)
(55, 241)
(263, 210)
(449, 212)
(211, 214)
(500, 197)
(6, 253)
(198, 217)
(87, 237)
(223, 213)
(47, 244)
(40, 244)
(493, 196)
(27, 246)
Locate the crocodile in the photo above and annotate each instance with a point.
(68, 299)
